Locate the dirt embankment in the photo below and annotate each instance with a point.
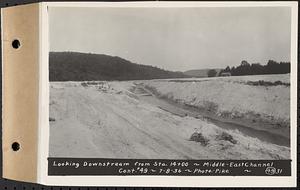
(273, 122)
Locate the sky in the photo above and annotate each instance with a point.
(176, 39)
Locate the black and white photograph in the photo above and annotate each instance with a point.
(188, 83)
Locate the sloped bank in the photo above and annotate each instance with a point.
(232, 100)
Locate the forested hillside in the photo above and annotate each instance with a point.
(73, 66)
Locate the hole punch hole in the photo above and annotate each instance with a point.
(16, 44)
(15, 146)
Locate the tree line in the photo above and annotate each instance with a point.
(245, 68)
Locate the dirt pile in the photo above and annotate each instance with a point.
(198, 137)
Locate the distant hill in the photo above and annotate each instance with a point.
(73, 66)
(200, 72)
